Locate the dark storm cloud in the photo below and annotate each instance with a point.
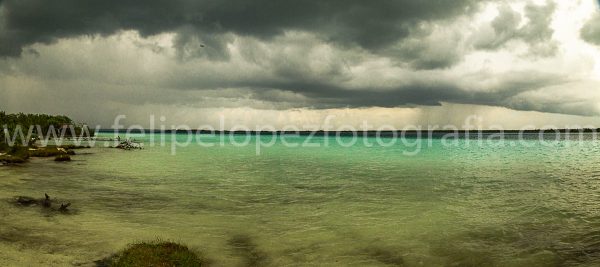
(284, 53)
(322, 95)
(370, 24)
(426, 49)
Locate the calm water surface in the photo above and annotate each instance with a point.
(464, 205)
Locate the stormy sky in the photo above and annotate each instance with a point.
(512, 62)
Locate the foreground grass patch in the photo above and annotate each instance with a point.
(159, 254)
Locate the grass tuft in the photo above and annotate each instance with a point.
(158, 254)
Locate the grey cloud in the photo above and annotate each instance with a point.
(277, 94)
(429, 48)
(191, 45)
(536, 32)
(423, 93)
(591, 30)
(371, 25)
(288, 77)
(505, 28)
(562, 106)
(321, 94)
(295, 71)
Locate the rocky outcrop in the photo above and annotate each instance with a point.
(129, 145)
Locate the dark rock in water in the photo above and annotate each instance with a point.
(69, 147)
(45, 152)
(64, 157)
(129, 145)
(106, 262)
(10, 159)
(385, 256)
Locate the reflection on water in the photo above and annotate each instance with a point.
(357, 206)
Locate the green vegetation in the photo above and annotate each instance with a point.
(42, 125)
(19, 151)
(12, 155)
(10, 159)
(45, 123)
(157, 254)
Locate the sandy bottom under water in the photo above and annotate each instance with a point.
(307, 207)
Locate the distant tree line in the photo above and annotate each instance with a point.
(42, 124)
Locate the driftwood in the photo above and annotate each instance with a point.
(46, 203)
(64, 207)
(26, 201)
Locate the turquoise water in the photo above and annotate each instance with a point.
(530, 204)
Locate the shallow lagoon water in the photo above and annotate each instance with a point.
(461, 205)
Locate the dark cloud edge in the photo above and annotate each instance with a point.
(350, 22)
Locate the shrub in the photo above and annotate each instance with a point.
(15, 154)
(19, 152)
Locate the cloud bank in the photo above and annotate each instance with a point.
(124, 57)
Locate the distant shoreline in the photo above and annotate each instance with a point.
(359, 133)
